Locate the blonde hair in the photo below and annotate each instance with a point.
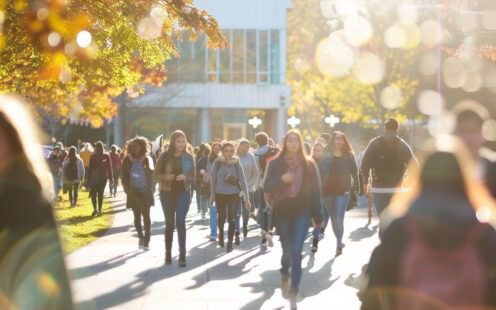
(29, 139)
(477, 194)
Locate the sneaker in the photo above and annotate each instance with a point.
(315, 245)
(141, 242)
(168, 258)
(146, 247)
(245, 231)
(229, 247)
(263, 245)
(212, 238)
(339, 250)
(99, 212)
(270, 242)
(236, 238)
(94, 213)
(182, 259)
(293, 298)
(285, 285)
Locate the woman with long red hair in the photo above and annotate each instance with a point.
(292, 186)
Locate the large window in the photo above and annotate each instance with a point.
(253, 57)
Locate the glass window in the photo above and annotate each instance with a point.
(263, 57)
(274, 57)
(238, 56)
(251, 56)
(198, 62)
(212, 75)
(225, 61)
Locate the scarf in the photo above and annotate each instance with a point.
(294, 165)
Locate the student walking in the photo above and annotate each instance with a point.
(292, 185)
(137, 176)
(318, 233)
(203, 188)
(116, 169)
(85, 155)
(72, 174)
(385, 160)
(100, 170)
(339, 172)
(228, 185)
(207, 176)
(55, 160)
(436, 254)
(252, 175)
(176, 173)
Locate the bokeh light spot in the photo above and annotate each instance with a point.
(47, 284)
(357, 30)
(432, 32)
(148, 28)
(84, 39)
(368, 68)
(54, 39)
(429, 64)
(395, 37)
(333, 56)
(489, 130)
(391, 97)
(430, 102)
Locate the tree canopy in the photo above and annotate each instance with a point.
(71, 58)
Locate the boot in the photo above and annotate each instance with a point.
(285, 285)
(229, 246)
(168, 257)
(245, 231)
(236, 236)
(315, 245)
(221, 239)
(182, 258)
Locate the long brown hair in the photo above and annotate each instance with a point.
(143, 144)
(347, 148)
(176, 134)
(212, 155)
(284, 150)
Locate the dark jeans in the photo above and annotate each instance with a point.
(292, 231)
(175, 207)
(263, 212)
(97, 191)
(141, 209)
(115, 183)
(226, 204)
(73, 190)
(244, 212)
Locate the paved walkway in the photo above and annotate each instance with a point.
(113, 273)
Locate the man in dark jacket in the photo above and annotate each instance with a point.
(385, 161)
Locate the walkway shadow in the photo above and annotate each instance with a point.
(91, 270)
(363, 233)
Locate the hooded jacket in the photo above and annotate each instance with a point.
(148, 168)
(223, 167)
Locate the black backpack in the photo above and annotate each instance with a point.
(71, 171)
(387, 166)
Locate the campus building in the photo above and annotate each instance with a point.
(214, 93)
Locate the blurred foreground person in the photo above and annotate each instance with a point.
(137, 175)
(292, 185)
(99, 172)
(437, 254)
(32, 267)
(176, 172)
(72, 174)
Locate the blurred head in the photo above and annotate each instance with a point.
(20, 146)
(138, 147)
(114, 148)
(177, 142)
(446, 168)
(308, 148)
(317, 150)
(261, 138)
(470, 117)
(216, 149)
(326, 138)
(99, 149)
(293, 144)
(391, 125)
(72, 153)
(228, 150)
(243, 147)
(340, 142)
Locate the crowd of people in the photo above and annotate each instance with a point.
(437, 245)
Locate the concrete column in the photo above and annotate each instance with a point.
(204, 134)
(117, 129)
(281, 124)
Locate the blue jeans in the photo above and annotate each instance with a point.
(175, 207)
(292, 231)
(381, 201)
(316, 231)
(245, 213)
(213, 221)
(263, 213)
(336, 207)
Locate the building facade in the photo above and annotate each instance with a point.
(213, 94)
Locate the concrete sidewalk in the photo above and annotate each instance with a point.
(113, 273)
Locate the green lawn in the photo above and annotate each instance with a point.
(76, 225)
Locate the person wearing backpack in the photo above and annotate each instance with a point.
(176, 172)
(385, 161)
(100, 170)
(228, 185)
(206, 178)
(72, 174)
(137, 176)
(264, 153)
(436, 254)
